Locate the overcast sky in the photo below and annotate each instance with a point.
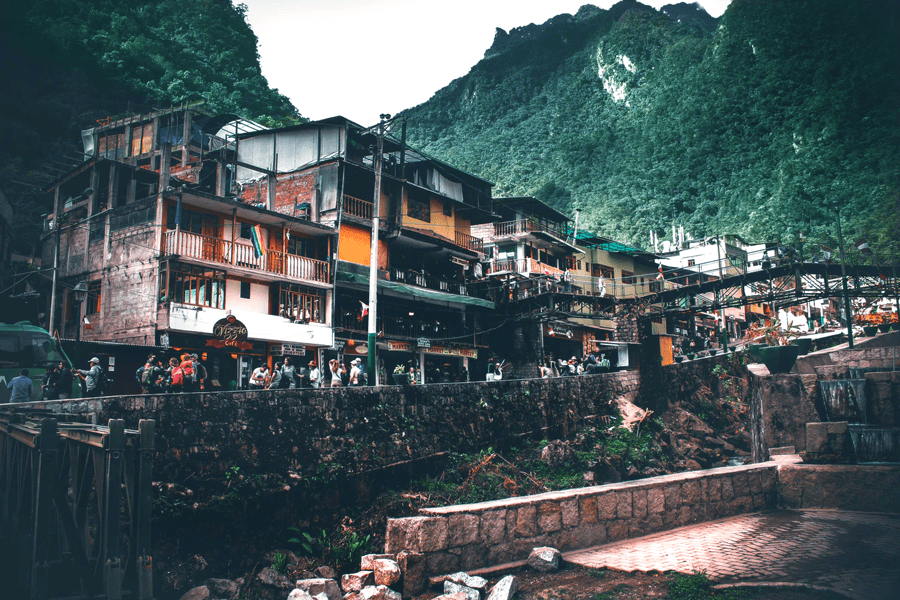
(360, 58)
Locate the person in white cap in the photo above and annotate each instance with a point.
(92, 379)
(355, 372)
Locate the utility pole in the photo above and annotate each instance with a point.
(724, 335)
(844, 283)
(896, 287)
(373, 257)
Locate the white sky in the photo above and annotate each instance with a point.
(361, 58)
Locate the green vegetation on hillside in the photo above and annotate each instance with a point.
(759, 127)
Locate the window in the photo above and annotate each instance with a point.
(245, 290)
(603, 271)
(448, 208)
(628, 278)
(691, 262)
(194, 285)
(92, 305)
(191, 220)
(298, 246)
(419, 209)
(245, 231)
(301, 304)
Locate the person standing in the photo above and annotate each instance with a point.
(259, 376)
(315, 375)
(21, 387)
(190, 373)
(200, 372)
(92, 379)
(334, 368)
(303, 376)
(50, 389)
(288, 374)
(64, 385)
(355, 372)
(275, 379)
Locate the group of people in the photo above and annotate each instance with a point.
(284, 375)
(58, 383)
(574, 366)
(181, 374)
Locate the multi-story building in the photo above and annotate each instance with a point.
(429, 314)
(173, 260)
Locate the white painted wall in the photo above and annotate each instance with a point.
(257, 303)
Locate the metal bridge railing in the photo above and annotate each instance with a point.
(75, 503)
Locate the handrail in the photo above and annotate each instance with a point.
(469, 242)
(357, 207)
(219, 251)
(507, 228)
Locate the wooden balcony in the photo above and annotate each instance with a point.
(523, 266)
(357, 207)
(219, 252)
(469, 242)
(510, 228)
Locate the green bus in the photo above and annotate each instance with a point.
(24, 346)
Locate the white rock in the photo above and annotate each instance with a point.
(451, 587)
(354, 582)
(197, 593)
(544, 559)
(366, 563)
(318, 585)
(505, 589)
(374, 592)
(298, 594)
(472, 581)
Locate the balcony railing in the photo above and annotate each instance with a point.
(219, 251)
(525, 266)
(469, 242)
(508, 228)
(411, 328)
(440, 284)
(357, 207)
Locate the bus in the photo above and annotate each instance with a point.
(24, 346)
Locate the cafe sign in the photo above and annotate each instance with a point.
(453, 351)
(229, 333)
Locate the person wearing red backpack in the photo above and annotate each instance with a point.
(174, 376)
(188, 368)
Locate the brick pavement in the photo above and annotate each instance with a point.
(856, 554)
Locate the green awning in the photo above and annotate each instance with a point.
(353, 275)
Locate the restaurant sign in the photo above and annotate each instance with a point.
(453, 351)
(231, 333)
(400, 346)
(287, 350)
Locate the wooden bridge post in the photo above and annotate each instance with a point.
(115, 457)
(47, 447)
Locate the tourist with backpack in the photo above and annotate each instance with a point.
(200, 372)
(189, 371)
(143, 373)
(94, 379)
(174, 380)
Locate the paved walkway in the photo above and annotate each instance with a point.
(856, 554)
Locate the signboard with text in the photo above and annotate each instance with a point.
(229, 332)
(287, 350)
(451, 351)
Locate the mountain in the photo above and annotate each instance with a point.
(759, 123)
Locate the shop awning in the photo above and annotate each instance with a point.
(394, 288)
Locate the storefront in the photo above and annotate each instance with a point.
(432, 363)
(231, 346)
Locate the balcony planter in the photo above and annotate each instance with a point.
(779, 359)
(884, 327)
(678, 358)
(401, 378)
(870, 330)
(895, 326)
(805, 345)
(689, 356)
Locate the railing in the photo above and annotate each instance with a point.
(419, 279)
(508, 228)
(525, 266)
(357, 207)
(410, 328)
(220, 251)
(469, 242)
(76, 500)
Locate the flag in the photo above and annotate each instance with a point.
(364, 310)
(256, 239)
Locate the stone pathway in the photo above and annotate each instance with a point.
(856, 554)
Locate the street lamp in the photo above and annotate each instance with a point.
(79, 294)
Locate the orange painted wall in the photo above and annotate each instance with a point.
(441, 224)
(356, 246)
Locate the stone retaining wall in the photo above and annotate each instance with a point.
(865, 488)
(490, 533)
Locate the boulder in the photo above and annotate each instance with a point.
(556, 453)
(354, 582)
(472, 581)
(374, 592)
(326, 572)
(505, 589)
(456, 596)
(197, 593)
(181, 576)
(269, 584)
(544, 559)
(366, 563)
(320, 585)
(387, 571)
(222, 588)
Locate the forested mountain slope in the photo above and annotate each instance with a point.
(67, 63)
(757, 123)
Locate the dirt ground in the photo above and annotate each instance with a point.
(576, 583)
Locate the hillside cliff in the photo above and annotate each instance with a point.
(757, 123)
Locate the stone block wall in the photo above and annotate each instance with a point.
(867, 488)
(780, 408)
(489, 533)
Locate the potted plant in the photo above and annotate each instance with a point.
(678, 358)
(778, 354)
(885, 324)
(870, 330)
(401, 377)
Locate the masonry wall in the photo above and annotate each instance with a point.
(470, 536)
(301, 433)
